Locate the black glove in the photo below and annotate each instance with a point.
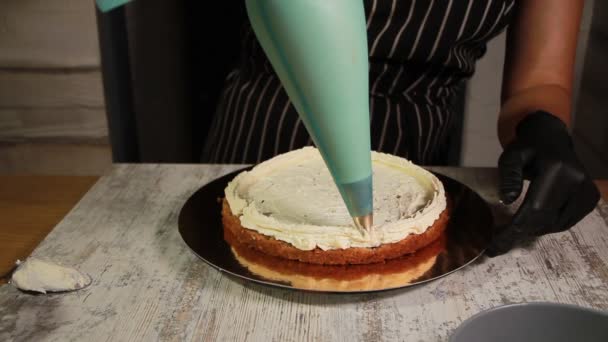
(561, 193)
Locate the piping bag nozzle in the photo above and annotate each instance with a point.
(358, 199)
(364, 222)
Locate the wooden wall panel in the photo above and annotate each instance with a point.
(51, 89)
(52, 116)
(600, 21)
(54, 158)
(76, 124)
(591, 122)
(48, 34)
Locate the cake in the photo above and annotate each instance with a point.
(289, 207)
(393, 273)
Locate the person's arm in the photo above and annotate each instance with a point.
(539, 63)
(533, 125)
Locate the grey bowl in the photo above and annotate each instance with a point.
(536, 322)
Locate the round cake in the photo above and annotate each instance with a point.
(289, 207)
(342, 278)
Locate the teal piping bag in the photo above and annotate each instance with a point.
(318, 48)
(107, 5)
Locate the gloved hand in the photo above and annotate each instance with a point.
(561, 192)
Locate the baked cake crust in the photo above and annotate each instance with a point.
(354, 255)
(339, 272)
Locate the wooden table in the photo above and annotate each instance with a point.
(147, 285)
(30, 206)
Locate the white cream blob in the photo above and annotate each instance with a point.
(293, 198)
(43, 276)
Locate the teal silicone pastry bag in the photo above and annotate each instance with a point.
(107, 5)
(318, 48)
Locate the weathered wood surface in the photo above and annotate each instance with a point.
(147, 285)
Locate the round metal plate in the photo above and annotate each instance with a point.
(465, 239)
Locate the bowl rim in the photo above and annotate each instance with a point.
(467, 322)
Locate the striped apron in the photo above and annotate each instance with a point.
(420, 54)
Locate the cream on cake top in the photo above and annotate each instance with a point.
(292, 197)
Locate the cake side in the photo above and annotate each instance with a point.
(235, 232)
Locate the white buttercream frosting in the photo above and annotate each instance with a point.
(44, 276)
(292, 197)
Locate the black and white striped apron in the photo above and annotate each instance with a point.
(421, 51)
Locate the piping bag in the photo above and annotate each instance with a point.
(318, 49)
(107, 5)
